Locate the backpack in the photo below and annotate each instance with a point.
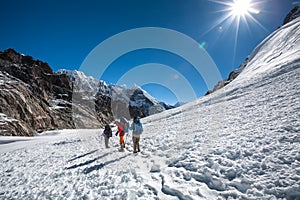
(125, 124)
(126, 128)
(107, 131)
(138, 128)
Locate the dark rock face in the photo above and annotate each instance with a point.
(232, 75)
(36, 73)
(103, 109)
(295, 13)
(30, 94)
(27, 113)
(140, 103)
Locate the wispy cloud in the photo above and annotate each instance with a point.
(296, 2)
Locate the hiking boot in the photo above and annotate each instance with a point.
(121, 150)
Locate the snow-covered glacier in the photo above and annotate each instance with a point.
(240, 142)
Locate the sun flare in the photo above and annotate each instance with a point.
(238, 14)
(242, 7)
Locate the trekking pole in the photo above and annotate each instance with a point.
(126, 137)
(101, 137)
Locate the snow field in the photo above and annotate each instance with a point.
(247, 149)
(241, 142)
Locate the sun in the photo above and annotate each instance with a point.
(240, 8)
(237, 9)
(238, 14)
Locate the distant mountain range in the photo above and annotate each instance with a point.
(34, 98)
(139, 102)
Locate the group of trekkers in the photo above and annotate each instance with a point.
(123, 129)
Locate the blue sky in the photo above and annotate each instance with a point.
(64, 32)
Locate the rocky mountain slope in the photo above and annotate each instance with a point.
(32, 95)
(34, 98)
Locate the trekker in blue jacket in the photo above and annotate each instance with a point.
(137, 130)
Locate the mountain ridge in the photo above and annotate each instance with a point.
(67, 99)
(293, 14)
(81, 82)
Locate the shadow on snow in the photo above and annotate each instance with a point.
(87, 162)
(81, 156)
(95, 167)
(101, 165)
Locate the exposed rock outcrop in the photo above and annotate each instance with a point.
(31, 94)
(292, 15)
(33, 98)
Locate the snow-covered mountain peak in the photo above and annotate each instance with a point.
(136, 87)
(125, 101)
(82, 83)
(133, 98)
